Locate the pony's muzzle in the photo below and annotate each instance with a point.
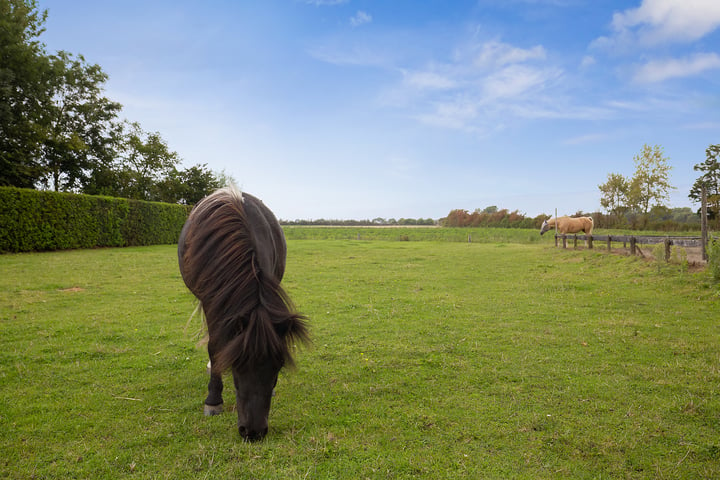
(252, 435)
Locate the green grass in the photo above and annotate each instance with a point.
(478, 235)
(430, 360)
(422, 233)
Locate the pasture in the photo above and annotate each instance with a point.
(431, 359)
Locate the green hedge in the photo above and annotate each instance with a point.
(39, 220)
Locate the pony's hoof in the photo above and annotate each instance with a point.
(211, 410)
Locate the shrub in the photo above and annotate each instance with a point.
(40, 220)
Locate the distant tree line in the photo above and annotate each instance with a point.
(58, 131)
(659, 218)
(490, 217)
(362, 223)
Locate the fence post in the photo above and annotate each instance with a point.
(667, 243)
(469, 238)
(575, 242)
(609, 243)
(564, 237)
(556, 241)
(703, 223)
(589, 241)
(632, 246)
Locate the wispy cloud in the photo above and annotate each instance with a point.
(454, 114)
(360, 18)
(588, 138)
(498, 54)
(429, 80)
(660, 70)
(587, 61)
(657, 22)
(325, 3)
(479, 82)
(354, 55)
(516, 80)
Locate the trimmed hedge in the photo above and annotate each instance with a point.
(39, 220)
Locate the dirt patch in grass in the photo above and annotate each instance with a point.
(72, 289)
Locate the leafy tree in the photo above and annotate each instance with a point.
(144, 161)
(199, 182)
(187, 186)
(224, 179)
(58, 130)
(80, 124)
(614, 194)
(711, 180)
(650, 186)
(457, 218)
(24, 68)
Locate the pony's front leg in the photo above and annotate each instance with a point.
(214, 401)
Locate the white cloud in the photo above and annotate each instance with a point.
(360, 18)
(429, 80)
(357, 55)
(456, 115)
(657, 22)
(498, 54)
(659, 70)
(517, 80)
(588, 61)
(479, 82)
(588, 138)
(325, 3)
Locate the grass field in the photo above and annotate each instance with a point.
(431, 359)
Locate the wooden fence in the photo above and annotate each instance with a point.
(635, 241)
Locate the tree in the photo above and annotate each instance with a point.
(711, 180)
(650, 185)
(24, 68)
(58, 130)
(187, 186)
(457, 218)
(144, 161)
(80, 124)
(614, 194)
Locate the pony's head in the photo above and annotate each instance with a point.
(256, 356)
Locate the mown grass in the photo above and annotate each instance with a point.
(419, 233)
(430, 360)
(423, 233)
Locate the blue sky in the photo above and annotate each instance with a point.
(404, 108)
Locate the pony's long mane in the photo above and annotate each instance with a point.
(249, 317)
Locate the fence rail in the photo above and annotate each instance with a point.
(634, 241)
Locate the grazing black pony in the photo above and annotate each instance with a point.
(232, 257)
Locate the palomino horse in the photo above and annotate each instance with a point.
(569, 225)
(232, 257)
